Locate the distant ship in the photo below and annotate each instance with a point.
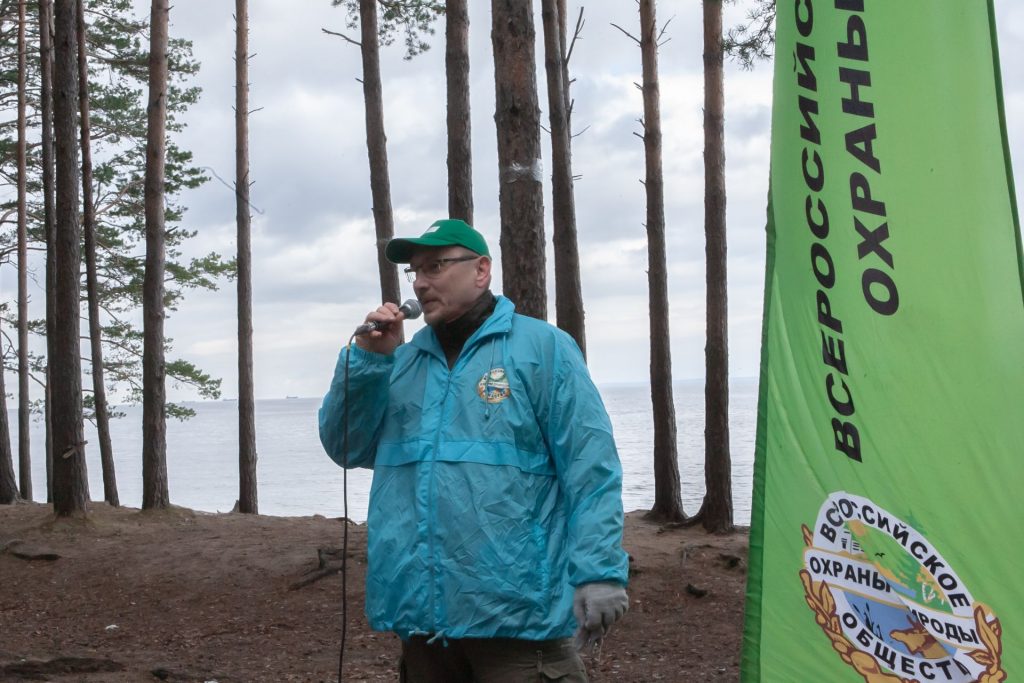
(291, 397)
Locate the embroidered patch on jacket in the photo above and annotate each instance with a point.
(493, 386)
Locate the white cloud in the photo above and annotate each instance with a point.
(314, 264)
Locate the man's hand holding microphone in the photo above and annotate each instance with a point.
(383, 330)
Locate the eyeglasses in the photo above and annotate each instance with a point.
(432, 269)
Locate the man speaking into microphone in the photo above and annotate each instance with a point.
(495, 518)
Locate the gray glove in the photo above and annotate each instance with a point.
(597, 606)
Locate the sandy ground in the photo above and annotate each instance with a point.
(184, 596)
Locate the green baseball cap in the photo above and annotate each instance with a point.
(446, 232)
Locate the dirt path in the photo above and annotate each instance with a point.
(188, 596)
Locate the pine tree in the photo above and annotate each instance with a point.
(378, 26)
(520, 196)
(568, 288)
(668, 504)
(247, 491)
(754, 38)
(155, 492)
(460, 150)
(376, 147)
(716, 512)
(24, 417)
(70, 484)
(49, 231)
(116, 65)
(8, 484)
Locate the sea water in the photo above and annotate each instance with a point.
(296, 477)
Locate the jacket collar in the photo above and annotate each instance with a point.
(499, 322)
(454, 335)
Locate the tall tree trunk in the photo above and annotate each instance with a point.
(91, 285)
(155, 493)
(568, 290)
(460, 154)
(48, 419)
(24, 414)
(563, 38)
(247, 498)
(520, 197)
(8, 484)
(70, 484)
(377, 149)
(668, 503)
(716, 512)
(49, 224)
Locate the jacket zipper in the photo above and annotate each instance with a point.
(464, 353)
(431, 508)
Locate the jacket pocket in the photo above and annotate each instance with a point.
(493, 536)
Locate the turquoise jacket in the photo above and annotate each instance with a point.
(496, 486)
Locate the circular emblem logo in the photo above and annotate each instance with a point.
(889, 601)
(493, 386)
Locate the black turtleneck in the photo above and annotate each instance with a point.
(453, 335)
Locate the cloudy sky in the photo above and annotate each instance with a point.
(314, 264)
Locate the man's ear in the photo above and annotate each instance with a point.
(483, 271)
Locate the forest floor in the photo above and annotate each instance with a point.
(185, 596)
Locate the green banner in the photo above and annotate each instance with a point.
(886, 533)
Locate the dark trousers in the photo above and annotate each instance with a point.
(490, 660)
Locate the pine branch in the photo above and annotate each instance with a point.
(342, 36)
(628, 34)
(575, 35)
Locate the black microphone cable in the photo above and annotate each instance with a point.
(344, 519)
(411, 309)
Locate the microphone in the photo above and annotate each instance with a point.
(411, 309)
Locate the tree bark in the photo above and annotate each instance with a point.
(563, 37)
(70, 484)
(8, 484)
(520, 197)
(24, 413)
(49, 224)
(716, 512)
(377, 149)
(247, 490)
(155, 493)
(48, 418)
(460, 154)
(568, 290)
(91, 284)
(668, 505)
